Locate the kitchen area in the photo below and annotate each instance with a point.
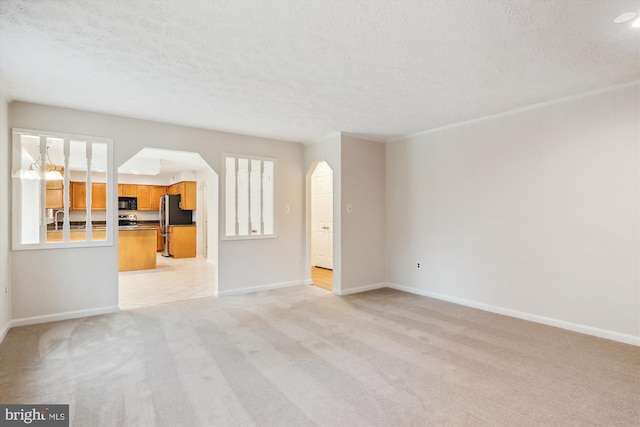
(166, 200)
(155, 219)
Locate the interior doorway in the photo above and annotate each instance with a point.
(322, 226)
(183, 260)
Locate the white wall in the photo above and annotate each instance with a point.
(5, 209)
(363, 229)
(163, 180)
(85, 280)
(533, 214)
(328, 149)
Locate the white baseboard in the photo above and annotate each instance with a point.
(359, 289)
(3, 332)
(63, 316)
(589, 330)
(259, 288)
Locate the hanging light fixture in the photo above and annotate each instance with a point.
(51, 171)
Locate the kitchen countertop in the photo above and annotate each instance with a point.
(135, 228)
(76, 229)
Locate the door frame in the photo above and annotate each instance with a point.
(336, 227)
(316, 239)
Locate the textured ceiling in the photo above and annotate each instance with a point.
(299, 70)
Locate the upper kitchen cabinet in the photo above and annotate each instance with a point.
(156, 194)
(187, 191)
(79, 196)
(143, 193)
(149, 196)
(55, 198)
(127, 190)
(98, 196)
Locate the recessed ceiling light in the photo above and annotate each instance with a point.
(624, 17)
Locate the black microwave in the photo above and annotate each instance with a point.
(127, 203)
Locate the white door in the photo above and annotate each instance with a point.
(322, 216)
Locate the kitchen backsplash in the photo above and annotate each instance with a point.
(102, 215)
(143, 215)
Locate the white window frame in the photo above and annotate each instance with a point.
(17, 244)
(223, 223)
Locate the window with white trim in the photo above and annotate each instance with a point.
(249, 196)
(61, 190)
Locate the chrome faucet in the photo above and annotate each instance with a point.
(55, 218)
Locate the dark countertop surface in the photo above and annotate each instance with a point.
(134, 228)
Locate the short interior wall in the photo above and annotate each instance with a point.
(533, 213)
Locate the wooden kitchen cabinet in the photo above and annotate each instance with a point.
(55, 199)
(76, 236)
(182, 241)
(187, 191)
(127, 190)
(143, 193)
(78, 195)
(156, 193)
(98, 196)
(149, 197)
(135, 249)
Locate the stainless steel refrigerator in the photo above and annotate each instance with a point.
(171, 214)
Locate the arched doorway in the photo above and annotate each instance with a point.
(322, 230)
(189, 269)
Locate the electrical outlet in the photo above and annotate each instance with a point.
(418, 264)
(6, 290)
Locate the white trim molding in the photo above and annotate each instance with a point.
(363, 288)
(4, 331)
(63, 316)
(258, 288)
(510, 112)
(575, 327)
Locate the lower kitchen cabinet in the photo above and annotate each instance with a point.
(182, 241)
(135, 249)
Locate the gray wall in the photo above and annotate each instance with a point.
(363, 230)
(533, 213)
(84, 281)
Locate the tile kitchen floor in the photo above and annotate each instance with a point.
(172, 280)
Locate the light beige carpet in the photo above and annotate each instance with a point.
(302, 356)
